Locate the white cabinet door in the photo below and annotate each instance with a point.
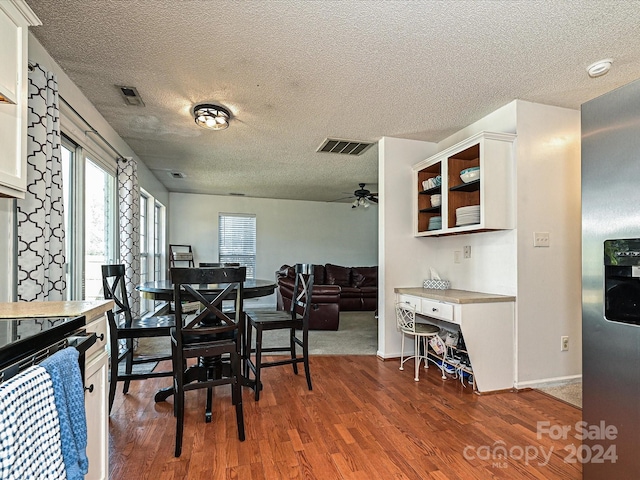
(96, 371)
(10, 57)
(15, 18)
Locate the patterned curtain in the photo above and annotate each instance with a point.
(129, 222)
(41, 256)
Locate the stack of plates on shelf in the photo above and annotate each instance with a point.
(435, 223)
(467, 215)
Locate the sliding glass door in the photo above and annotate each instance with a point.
(90, 209)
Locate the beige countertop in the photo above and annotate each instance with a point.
(454, 296)
(89, 309)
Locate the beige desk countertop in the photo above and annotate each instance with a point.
(454, 296)
(89, 309)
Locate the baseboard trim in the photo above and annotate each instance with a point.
(387, 359)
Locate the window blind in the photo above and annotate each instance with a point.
(237, 240)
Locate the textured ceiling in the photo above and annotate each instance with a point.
(294, 72)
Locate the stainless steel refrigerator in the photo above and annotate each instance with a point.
(611, 285)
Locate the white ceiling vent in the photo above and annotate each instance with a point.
(176, 174)
(345, 147)
(131, 96)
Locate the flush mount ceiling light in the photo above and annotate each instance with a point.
(599, 68)
(212, 116)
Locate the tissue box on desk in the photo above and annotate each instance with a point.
(437, 284)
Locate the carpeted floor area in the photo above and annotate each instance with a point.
(569, 392)
(357, 335)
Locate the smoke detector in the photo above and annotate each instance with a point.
(599, 68)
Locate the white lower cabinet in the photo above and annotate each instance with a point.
(96, 372)
(96, 383)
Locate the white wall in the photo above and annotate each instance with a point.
(288, 231)
(549, 279)
(404, 259)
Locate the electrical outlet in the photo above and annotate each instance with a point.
(456, 256)
(564, 343)
(540, 239)
(467, 251)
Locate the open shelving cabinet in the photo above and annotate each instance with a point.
(494, 191)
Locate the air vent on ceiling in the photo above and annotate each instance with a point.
(131, 96)
(176, 174)
(345, 147)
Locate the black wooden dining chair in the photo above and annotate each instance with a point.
(211, 336)
(124, 328)
(297, 318)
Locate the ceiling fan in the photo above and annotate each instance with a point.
(363, 197)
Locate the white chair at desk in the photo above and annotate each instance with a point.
(421, 332)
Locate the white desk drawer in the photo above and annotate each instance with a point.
(411, 300)
(443, 311)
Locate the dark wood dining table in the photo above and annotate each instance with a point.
(163, 290)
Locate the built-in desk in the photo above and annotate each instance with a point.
(486, 322)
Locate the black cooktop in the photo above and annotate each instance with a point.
(22, 337)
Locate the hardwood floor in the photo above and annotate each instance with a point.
(364, 419)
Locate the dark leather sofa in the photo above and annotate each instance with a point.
(335, 289)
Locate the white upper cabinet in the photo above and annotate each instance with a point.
(445, 204)
(15, 19)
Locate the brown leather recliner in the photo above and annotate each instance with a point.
(325, 311)
(335, 289)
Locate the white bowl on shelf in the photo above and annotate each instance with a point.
(470, 174)
(436, 200)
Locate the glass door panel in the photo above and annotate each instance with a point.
(100, 227)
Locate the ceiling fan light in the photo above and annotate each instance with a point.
(355, 203)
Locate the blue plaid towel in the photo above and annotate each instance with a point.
(29, 428)
(69, 397)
